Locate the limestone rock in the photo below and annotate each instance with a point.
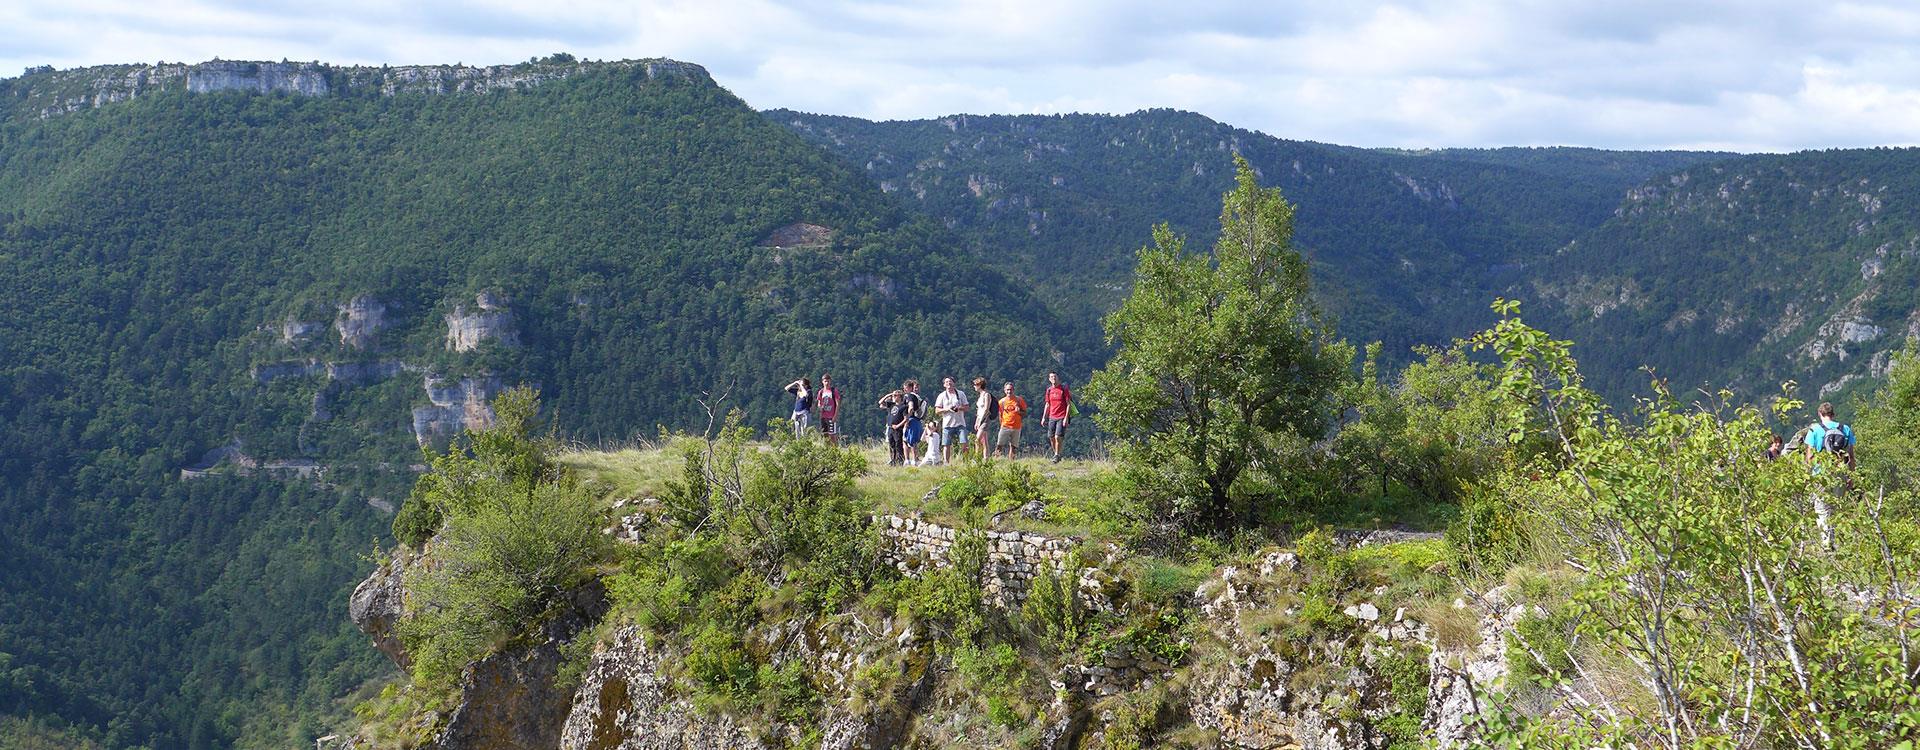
(379, 601)
(625, 702)
(491, 321)
(509, 700)
(465, 405)
(297, 332)
(302, 79)
(359, 319)
(799, 234)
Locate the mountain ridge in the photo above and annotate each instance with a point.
(45, 92)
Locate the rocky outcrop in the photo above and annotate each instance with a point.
(298, 332)
(456, 407)
(513, 699)
(799, 234)
(490, 321)
(1343, 687)
(626, 702)
(378, 603)
(49, 93)
(1332, 694)
(359, 320)
(301, 79)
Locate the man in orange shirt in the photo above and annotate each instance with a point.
(1013, 414)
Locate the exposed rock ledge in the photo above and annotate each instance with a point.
(1253, 699)
(49, 93)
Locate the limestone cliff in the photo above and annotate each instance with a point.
(45, 92)
(1377, 670)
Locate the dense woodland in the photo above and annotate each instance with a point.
(153, 248)
(1666, 583)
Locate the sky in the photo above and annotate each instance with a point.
(1746, 75)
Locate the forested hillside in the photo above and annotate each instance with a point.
(239, 293)
(1713, 268)
(1748, 272)
(1407, 247)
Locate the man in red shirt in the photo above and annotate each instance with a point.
(1059, 401)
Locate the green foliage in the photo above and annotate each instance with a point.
(1137, 720)
(992, 485)
(164, 240)
(1054, 611)
(1705, 573)
(1220, 358)
(749, 537)
(998, 676)
(519, 534)
(1407, 675)
(1890, 418)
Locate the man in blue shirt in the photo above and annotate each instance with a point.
(1830, 436)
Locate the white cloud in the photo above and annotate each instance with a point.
(1746, 74)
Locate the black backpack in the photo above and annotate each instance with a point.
(1835, 440)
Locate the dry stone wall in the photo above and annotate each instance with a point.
(913, 546)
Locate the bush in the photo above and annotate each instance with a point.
(1053, 611)
(498, 567)
(517, 534)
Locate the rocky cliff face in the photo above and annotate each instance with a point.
(489, 321)
(49, 93)
(1345, 691)
(359, 319)
(456, 406)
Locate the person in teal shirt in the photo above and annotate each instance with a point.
(1840, 443)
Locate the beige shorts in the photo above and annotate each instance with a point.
(1008, 435)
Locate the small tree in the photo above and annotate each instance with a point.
(1890, 420)
(1222, 357)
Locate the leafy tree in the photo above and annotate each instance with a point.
(1704, 576)
(1890, 420)
(1220, 357)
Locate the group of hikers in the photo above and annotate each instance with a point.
(907, 417)
(1825, 435)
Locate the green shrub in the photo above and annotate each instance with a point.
(719, 668)
(997, 675)
(1053, 611)
(1159, 581)
(499, 564)
(1407, 674)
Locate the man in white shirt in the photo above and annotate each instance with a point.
(951, 405)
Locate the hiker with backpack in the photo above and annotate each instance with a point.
(895, 404)
(1829, 436)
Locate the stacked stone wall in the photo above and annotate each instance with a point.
(914, 546)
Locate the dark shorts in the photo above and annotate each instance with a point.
(956, 435)
(829, 426)
(915, 428)
(1056, 428)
